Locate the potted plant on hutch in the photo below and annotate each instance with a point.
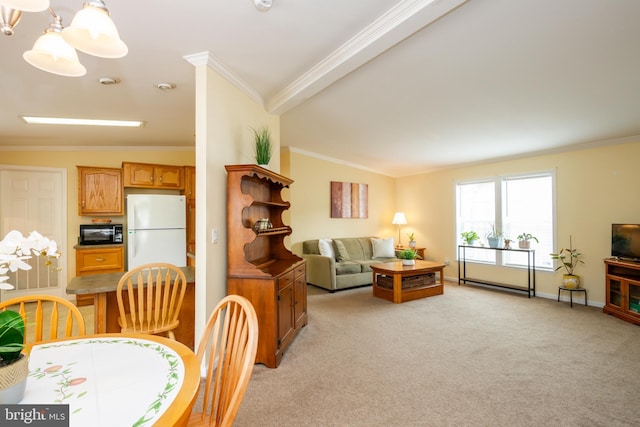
(569, 259)
(524, 240)
(14, 364)
(408, 256)
(262, 139)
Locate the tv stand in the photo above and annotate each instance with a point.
(623, 290)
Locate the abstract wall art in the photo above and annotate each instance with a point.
(349, 200)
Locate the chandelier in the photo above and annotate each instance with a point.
(91, 31)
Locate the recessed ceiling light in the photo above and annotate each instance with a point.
(108, 81)
(80, 122)
(166, 86)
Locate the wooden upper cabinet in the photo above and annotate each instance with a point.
(100, 191)
(190, 182)
(147, 175)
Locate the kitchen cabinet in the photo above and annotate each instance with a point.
(148, 175)
(260, 267)
(190, 193)
(97, 260)
(100, 191)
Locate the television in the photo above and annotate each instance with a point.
(625, 241)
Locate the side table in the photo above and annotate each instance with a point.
(571, 291)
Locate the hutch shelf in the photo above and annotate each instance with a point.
(260, 267)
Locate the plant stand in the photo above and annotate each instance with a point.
(571, 291)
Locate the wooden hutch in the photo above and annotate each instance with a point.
(260, 267)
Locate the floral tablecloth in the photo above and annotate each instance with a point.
(108, 382)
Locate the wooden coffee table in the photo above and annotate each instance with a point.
(399, 283)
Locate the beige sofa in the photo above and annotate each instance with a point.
(350, 265)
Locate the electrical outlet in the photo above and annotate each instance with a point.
(446, 261)
(214, 236)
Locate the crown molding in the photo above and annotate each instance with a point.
(206, 58)
(335, 160)
(398, 23)
(95, 148)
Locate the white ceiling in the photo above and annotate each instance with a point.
(399, 87)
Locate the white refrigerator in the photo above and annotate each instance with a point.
(156, 229)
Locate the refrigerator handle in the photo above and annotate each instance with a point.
(131, 243)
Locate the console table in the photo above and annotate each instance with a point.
(530, 289)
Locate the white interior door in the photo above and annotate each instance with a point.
(35, 199)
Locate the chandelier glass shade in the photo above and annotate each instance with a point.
(27, 5)
(53, 54)
(92, 31)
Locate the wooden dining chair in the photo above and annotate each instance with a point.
(149, 299)
(34, 317)
(231, 340)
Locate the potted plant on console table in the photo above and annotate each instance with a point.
(569, 259)
(469, 237)
(524, 240)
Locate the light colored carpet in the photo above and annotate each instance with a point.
(471, 357)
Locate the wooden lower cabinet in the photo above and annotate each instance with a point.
(281, 305)
(97, 260)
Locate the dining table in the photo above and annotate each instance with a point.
(115, 379)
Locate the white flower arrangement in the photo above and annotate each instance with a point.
(15, 249)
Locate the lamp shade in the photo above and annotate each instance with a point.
(27, 5)
(52, 54)
(92, 31)
(399, 219)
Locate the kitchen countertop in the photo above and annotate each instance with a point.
(108, 282)
(110, 245)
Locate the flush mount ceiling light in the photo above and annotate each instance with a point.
(52, 54)
(80, 122)
(262, 5)
(92, 31)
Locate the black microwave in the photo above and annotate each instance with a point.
(100, 234)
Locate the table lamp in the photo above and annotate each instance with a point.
(399, 219)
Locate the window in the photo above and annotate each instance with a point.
(516, 204)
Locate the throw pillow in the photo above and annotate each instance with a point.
(326, 248)
(341, 251)
(383, 248)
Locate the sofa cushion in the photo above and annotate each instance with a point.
(325, 246)
(341, 251)
(366, 264)
(383, 248)
(347, 267)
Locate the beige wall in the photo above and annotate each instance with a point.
(594, 188)
(224, 117)
(310, 213)
(69, 159)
